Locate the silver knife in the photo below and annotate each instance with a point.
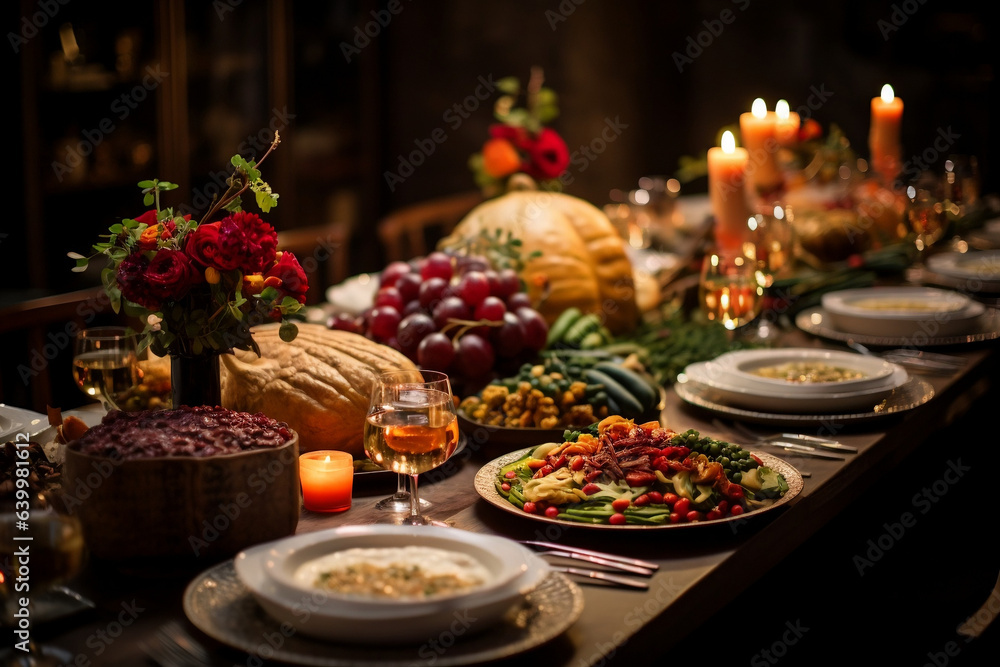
(805, 450)
(597, 560)
(645, 564)
(603, 576)
(819, 443)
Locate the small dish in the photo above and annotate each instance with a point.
(973, 271)
(818, 372)
(900, 311)
(789, 401)
(268, 571)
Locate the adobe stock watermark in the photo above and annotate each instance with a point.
(32, 25)
(101, 639)
(900, 14)
(58, 341)
(561, 13)
(454, 116)
(363, 35)
(794, 631)
(121, 107)
(922, 501)
(918, 164)
(696, 44)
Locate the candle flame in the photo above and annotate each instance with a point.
(781, 109)
(887, 94)
(327, 458)
(759, 109)
(728, 142)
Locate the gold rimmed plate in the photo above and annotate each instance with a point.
(486, 488)
(222, 607)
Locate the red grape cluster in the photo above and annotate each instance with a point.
(452, 313)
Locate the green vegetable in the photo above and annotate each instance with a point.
(629, 405)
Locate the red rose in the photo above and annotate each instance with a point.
(204, 246)
(170, 275)
(549, 155)
(293, 279)
(132, 281)
(516, 135)
(251, 239)
(147, 218)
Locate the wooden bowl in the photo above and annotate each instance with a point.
(183, 509)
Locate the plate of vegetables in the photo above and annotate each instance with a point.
(621, 475)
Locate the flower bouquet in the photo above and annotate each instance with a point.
(520, 142)
(199, 286)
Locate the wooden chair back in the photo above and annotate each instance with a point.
(324, 253)
(413, 231)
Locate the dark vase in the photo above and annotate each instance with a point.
(195, 380)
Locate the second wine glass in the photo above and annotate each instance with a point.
(105, 363)
(730, 289)
(411, 427)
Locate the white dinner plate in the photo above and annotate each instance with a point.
(743, 368)
(18, 420)
(790, 400)
(901, 311)
(818, 322)
(974, 271)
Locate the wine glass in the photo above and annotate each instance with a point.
(41, 547)
(730, 288)
(105, 363)
(926, 216)
(411, 427)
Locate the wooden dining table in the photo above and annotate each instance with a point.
(702, 568)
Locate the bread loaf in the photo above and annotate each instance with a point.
(319, 383)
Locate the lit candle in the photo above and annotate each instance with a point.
(883, 137)
(327, 479)
(727, 166)
(757, 130)
(786, 124)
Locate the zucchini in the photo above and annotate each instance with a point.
(586, 324)
(633, 382)
(629, 405)
(559, 328)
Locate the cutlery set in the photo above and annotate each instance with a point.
(611, 561)
(917, 360)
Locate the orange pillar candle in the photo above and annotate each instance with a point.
(883, 137)
(786, 124)
(327, 479)
(727, 166)
(757, 130)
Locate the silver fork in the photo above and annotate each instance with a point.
(919, 360)
(172, 646)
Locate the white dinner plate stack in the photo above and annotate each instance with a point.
(752, 379)
(902, 312)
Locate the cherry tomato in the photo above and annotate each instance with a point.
(736, 510)
(676, 517)
(510, 474)
(591, 489)
(620, 504)
(694, 515)
(505, 486)
(552, 511)
(655, 497)
(530, 507)
(670, 498)
(576, 462)
(722, 506)
(617, 519)
(757, 459)
(642, 500)
(682, 506)
(713, 514)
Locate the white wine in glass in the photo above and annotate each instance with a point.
(411, 427)
(105, 363)
(729, 289)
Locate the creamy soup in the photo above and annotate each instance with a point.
(808, 371)
(903, 304)
(394, 572)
